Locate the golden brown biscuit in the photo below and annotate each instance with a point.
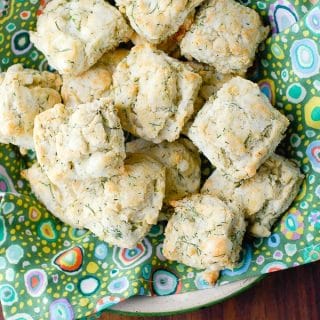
(171, 44)
(154, 94)
(125, 206)
(79, 144)
(56, 197)
(212, 81)
(239, 129)
(226, 35)
(24, 94)
(120, 209)
(74, 34)
(264, 197)
(204, 233)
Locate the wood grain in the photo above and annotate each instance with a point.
(287, 295)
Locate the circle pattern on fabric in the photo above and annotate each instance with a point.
(3, 231)
(14, 253)
(70, 260)
(20, 42)
(36, 282)
(296, 93)
(165, 282)
(89, 285)
(61, 309)
(267, 87)
(282, 15)
(106, 302)
(313, 20)
(118, 285)
(8, 295)
(313, 153)
(47, 231)
(305, 58)
(274, 266)
(101, 251)
(312, 112)
(128, 258)
(293, 226)
(6, 184)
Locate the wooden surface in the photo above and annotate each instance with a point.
(286, 295)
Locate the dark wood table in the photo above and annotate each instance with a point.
(287, 295)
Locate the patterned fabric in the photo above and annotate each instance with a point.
(51, 271)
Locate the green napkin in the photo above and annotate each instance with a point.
(51, 271)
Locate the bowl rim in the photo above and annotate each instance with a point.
(116, 309)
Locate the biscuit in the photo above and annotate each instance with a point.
(264, 197)
(239, 129)
(157, 20)
(181, 160)
(226, 35)
(204, 233)
(154, 94)
(24, 94)
(74, 34)
(79, 144)
(94, 83)
(121, 209)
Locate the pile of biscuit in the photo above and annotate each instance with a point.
(177, 84)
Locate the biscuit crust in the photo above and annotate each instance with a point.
(56, 197)
(125, 206)
(212, 81)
